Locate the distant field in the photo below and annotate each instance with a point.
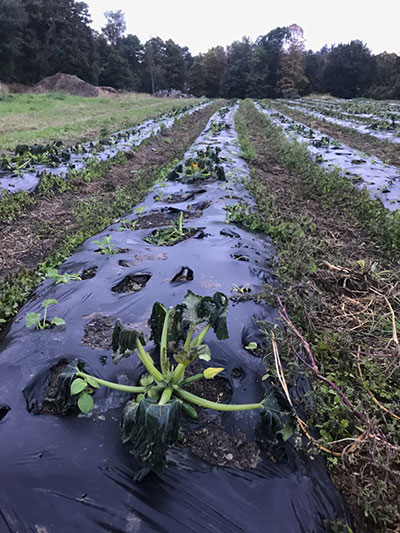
(29, 118)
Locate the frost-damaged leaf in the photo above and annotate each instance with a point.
(215, 310)
(151, 429)
(272, 423)
(124, 340)
(156, 321)
(61, 398)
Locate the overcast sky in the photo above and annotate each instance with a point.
(203, 24)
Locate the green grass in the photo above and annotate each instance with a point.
(41, 118)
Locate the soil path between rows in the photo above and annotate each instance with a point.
(36, 234)
(386, 151)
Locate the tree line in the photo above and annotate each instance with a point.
(39, 38)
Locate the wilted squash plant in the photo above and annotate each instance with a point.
(151, 422)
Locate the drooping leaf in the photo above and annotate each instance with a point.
(150, 429)
(124, 340)
(215, 310)
(273, 418)
(60, 397)
(156, 321)
(85, 403)
(58, 321)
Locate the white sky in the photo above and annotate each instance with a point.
(203, 24)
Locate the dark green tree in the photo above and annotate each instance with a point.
(154, 74)
(235, 79)
(195, 79)
(113, 69)
(213, 67)
(348, 70)
(12, 19)
(174, 66)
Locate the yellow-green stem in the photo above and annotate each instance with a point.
(189, 397)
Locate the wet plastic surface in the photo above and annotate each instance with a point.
(355, 121)
(121, 141)
(382, 181)
(60, 475)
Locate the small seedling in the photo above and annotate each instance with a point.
(35, 319)
(251, 346)
(105, 245)
(127, 225)
(140, 209)
(168, 236)
(62, 278)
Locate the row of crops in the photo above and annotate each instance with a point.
(381, 120)
(144, 330)
(23, 170)
(380, 179)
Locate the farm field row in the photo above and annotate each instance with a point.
(383, 122)
(286, 256)
(46, 118)
(385, 150)
(381, 180)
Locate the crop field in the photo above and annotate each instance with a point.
(199, 297)
(42, 118)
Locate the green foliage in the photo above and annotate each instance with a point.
(62, 278)
(35, 319)
(106, 246)
(151, 422)
(170, 235)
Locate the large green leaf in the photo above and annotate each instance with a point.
(150, 429)
(124, 340)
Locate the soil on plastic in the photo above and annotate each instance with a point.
(98, 331)
(213, 444)
(159, 219)
(210, 441)
(49, 408)
(134, 283)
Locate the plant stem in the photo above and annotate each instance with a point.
(148, 362)
(164, 342)
(165, 396)
(188, 338)
(111, 385)
(214, 405)
(192, 379)
(44, 318)
(200, 337)
(178, 372)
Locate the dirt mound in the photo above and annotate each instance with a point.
(67, 83)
